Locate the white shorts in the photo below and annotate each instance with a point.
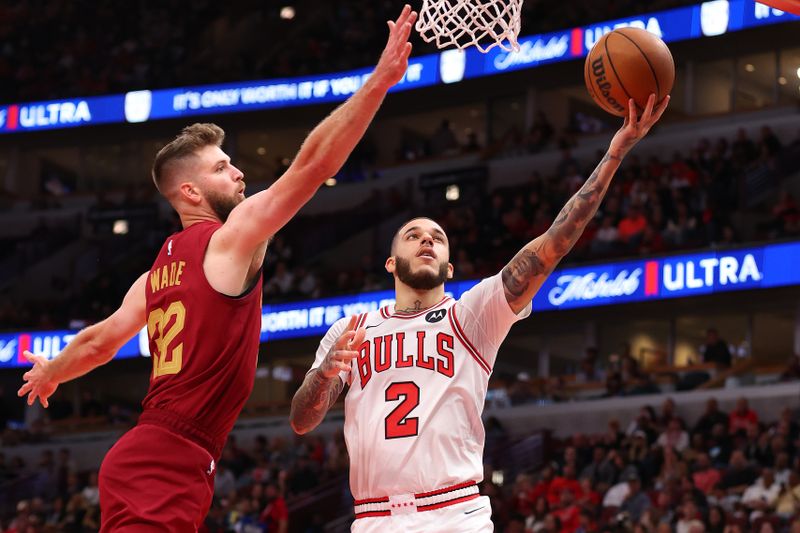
(472, 516)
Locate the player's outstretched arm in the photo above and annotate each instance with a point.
(92, 347)
(322, 385)
(526, 272)
(325, 150)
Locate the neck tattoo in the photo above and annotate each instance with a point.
(412, 309)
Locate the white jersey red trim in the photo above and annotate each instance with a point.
(417, 388)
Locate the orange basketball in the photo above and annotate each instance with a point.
(628, 63)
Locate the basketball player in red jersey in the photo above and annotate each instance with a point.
(201, 304)
(418, 370)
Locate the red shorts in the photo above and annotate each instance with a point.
(155, 480)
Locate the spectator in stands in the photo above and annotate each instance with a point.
(591, 370)
(645, 423)
(756, 447)
(674, 436)
(636, 501)
(568, 511)
(281, 282)
(691, 519)
(769, 145)
(564, 482)
(651, 242)
(599, 471)
(275, 515)
(788, 502)
(606, 239)
(739, 475)
(542, 486)
(64, 469)
(760, 497)
(224, 481)
(631, 227)
(720, 444)
(705, 476)
(741, 417)
(716, 349)
(710, 417)
(743, 149)
(668, 411)
(681, 228)
(535, 520)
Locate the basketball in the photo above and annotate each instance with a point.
(628, 63)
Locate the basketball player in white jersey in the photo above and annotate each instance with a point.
(418, 370)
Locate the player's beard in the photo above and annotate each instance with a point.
(420, 281)
(222, 205)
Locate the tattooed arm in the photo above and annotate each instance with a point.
(322, 385)
(525, 273)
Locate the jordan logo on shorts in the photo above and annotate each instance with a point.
(211, 468)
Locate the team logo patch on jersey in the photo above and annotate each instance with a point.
(436, 316)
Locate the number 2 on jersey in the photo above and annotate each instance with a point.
(397, 425)
(161, 323)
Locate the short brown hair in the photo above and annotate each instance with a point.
(191, 139)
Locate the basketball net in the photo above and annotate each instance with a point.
(462, 23)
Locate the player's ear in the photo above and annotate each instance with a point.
(391, 264)
(450, 270)
(190, 192)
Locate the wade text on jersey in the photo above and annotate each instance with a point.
(166, 275)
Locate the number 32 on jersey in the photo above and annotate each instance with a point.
(162, 328)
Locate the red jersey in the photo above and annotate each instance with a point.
(203, 344)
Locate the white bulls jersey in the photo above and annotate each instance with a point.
(417, 390)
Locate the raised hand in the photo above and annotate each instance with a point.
(343, 350)
(394, 60)
(635, 128)
(38, 383)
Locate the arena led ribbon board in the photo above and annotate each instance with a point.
(709, 19)
(643, 280)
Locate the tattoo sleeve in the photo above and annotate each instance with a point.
(527, 270)
(312, 400)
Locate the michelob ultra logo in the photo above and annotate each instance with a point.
(668, 277)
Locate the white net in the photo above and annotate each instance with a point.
(463, 23)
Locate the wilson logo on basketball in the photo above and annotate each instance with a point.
(599, 74)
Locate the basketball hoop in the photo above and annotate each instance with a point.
(462, 23)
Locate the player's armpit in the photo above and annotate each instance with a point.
(312, 400)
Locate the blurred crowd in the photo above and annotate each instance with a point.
(252, 487)
(657, 205)
(84, 47)
(694, 198)
(727, 472)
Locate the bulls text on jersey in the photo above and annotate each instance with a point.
(391, 350)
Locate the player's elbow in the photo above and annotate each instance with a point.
(298, 428)
(301, 423)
